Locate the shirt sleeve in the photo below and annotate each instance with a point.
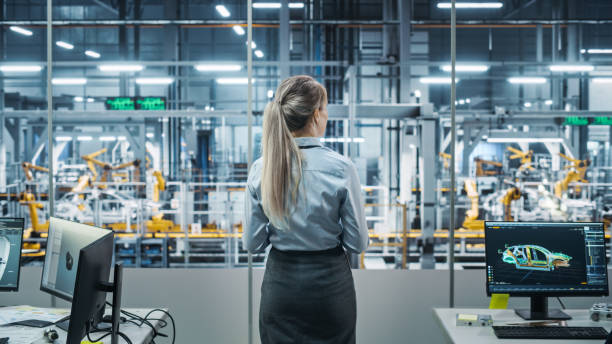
(255, 232)
(355, 230)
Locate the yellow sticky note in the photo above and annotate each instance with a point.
(88, 342)
(499, 301)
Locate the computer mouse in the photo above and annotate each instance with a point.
(69, 261)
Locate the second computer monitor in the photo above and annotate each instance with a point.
(542, 259)
(11, 234)
(65, 241)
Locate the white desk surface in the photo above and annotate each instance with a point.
(477, 335)
(138, 335)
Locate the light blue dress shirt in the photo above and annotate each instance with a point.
(329, 210)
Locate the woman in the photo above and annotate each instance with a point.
(304, 200)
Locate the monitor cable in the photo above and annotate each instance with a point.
(145, 321)
(561, 303)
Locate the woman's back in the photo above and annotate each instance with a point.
(327, 212)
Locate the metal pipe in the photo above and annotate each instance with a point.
(451, 239)
(50, 103)
(250, 152)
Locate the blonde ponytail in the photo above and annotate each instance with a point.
(295, 102)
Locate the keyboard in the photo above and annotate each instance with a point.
(549, 332)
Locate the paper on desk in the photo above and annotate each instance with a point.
(19, 313)
(20, 334)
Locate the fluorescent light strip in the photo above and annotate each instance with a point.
(259, 53)
(238, 30)
(548, 102)
(602, 80)
(523, 140)
(596, 51)
(571, 68)
(437, 80)
(121, 138)
(222, 10)
(20, 68)
(120, 68)
(474, 5)
(527, 104)
(63, 138)
(270, 93)
(263, 5)
(21, 30)
(466, 68)
(64, 45)
(92, 53)
(233, 81)
(218, 68)
(154, 81)
(68, 81)
(78, 99)
(84, 138)
(90, 100)
(150, 135)
(253, 45)
(107, 138)
(527, 80)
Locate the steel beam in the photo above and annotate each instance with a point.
(428, 157)
(404, 7)
(283, 40)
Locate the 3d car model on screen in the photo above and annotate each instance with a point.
(534, 257)
(5, 249)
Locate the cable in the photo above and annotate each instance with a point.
(561, 302)
(171, 319)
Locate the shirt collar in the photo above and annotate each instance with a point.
(308, 141)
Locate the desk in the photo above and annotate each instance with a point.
(485, 335)
(138, 335)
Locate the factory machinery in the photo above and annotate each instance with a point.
(189, 213)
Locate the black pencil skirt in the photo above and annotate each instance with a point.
(307, 297)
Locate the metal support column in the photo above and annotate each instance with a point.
(283, 40)
(250, 157)
(51, 193)
(451, 227)
(404, 7)
(123, 49)
(539, 57)
(427, 163)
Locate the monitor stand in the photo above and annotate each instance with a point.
(539, 311)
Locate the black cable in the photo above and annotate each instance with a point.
(171, 319)
(561, 302)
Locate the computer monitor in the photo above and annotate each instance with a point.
(64, 243)
(542, 259)
(11, 236)
(89, 300)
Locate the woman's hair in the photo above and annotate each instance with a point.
(294, 103)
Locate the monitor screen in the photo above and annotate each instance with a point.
(11, 234)
(65, 241)
(527, 258)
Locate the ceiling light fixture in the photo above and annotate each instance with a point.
(270, 93)
(120, 67)
(596, 51)
(548, 102)
(90, 100)
(259, 53)
(253, 45)
(21, 30)
(527, 104)
(84, 138)
(107, 138)
(78, 99)
(602, 80)
(154, 81)
(437, 80)
(523, 139)
(222, 11)
(571, 68)
(233, 81)
(64, 45)
(68, 81)
(238, 30)
(466, 68)
(218, 68)
(263, 5)
(474, 5)
(63, 138)
(92, 53)
(527, 80)
(20, 68)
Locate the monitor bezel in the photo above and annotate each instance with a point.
(546, 293)
(52, 291)
(16, 288)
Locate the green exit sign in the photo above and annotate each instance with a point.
(120, 103)
(151, 103)
(135, 103)
(575, 120)
(602, 121)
